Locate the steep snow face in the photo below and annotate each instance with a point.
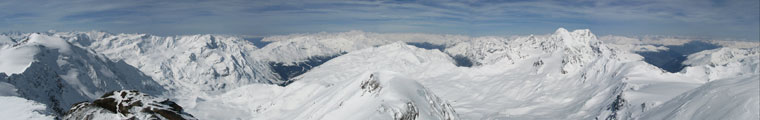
(16, 108)
(125, 104)
(736, 98)
(53, 42)
(22, 57)
(184, 64)
(60, 74)
(351, 90)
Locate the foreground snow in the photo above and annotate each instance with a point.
(736, 98)
(16, 108)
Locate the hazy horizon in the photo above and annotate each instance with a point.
(712, 19)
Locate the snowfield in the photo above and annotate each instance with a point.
(563, 75)
(16, 108)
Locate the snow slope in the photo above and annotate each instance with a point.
(16, 108)
(191, 63)
(736, 98)
(536, 77)
(292, 55)
(58, 74)
(491, 91)
(724, 85)
(565, 75)
(355, 93)
(724, 62)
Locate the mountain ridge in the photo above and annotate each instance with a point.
(566, 75)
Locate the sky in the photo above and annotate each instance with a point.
(718, 19)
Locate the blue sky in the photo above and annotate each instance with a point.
(729, 19)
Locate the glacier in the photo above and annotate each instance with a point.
(362, 75)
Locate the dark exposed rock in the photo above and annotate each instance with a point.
(616, 106)
(411, 112)
(427, 45)
(371, 85)
(462, 61)
(126, 104)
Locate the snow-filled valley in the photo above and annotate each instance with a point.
(362, 75)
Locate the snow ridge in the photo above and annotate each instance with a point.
(378, 92)
(184, 64)
(59, 75)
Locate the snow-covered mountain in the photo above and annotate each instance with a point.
(725, 62)
(565, 75)
(324, 93)
(49, 70)
(192, 63)
(360, 75)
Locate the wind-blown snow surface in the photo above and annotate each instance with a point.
(564, 75)
(736, 98)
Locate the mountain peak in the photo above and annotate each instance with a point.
(560, 31)
(575, 33)
(579, 37)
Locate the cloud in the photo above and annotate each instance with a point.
(708, 18)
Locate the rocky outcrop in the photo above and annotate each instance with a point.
(127, 104)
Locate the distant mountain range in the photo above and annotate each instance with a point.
(360, 75)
